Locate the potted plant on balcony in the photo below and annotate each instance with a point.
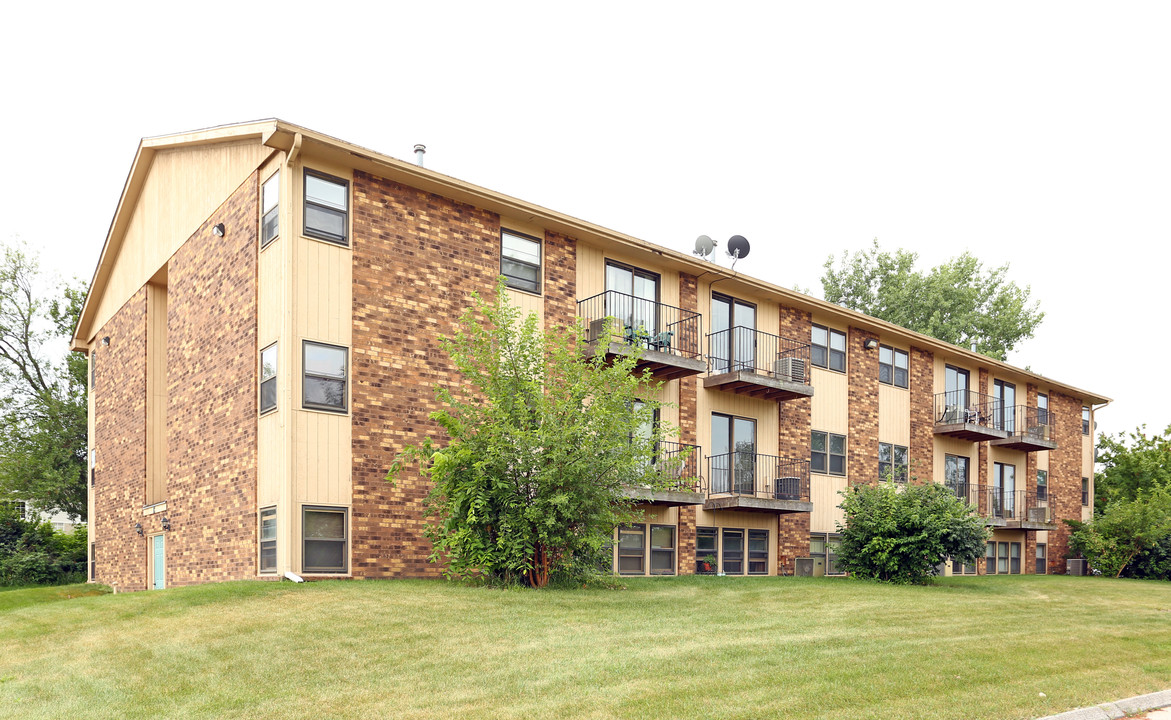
(708, 564)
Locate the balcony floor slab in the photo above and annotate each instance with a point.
(752, 503)
(758, 385)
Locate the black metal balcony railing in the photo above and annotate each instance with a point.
(968, 407)
(679, 462)
(742, 348)
(640, 322)
(1023, 420)
(995, 502)
(762, 476)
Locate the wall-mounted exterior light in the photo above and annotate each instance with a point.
(218, 230)
(870, 344)
(138, 528)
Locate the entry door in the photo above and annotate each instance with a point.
(158, 564)
(956, 398)
(1004, 492)
(636, 305)
(733, 344)
(734, 454)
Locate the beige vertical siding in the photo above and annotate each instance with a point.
(831, 405)
(824, 492)
(894, 415)
(272, 467)
(953, 446)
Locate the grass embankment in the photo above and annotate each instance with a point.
(17, 597)
(686, 647)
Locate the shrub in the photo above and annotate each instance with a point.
(32, 553)
(901, 533)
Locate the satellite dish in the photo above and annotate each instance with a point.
(738, 247)
(704, 246)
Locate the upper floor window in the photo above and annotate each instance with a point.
(1042, 409)
(327, 203)
(829, 348)
(892, 366)
(828, 453)
(269, 201)
(1042, 484)
(520, 261)
(325, 377)
(1086, 491)
(892, 462)
(1085, 420)
(268, 378)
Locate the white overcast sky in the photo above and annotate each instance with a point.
(1032, 133)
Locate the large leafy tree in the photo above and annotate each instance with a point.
(1131, 463)
(900, 534)
(42, 389)
(540, 443)
(959, 302)
(1129, 530)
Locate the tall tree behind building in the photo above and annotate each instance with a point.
(42, 388)
(959, 302)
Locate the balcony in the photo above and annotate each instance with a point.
(968, 415)
(1028, 429)
(665, 338)
(680, 463)
(758, 483)
(1009, 509)
(754, 363)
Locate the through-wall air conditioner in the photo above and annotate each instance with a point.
(790, 369)
(596, 330)
(803, 567)
(1038, 514)
(1075, 566)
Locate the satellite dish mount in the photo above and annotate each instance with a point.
(738, 247)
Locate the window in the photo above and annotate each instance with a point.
(829, 348)
(268, 540)
(324, 381)
(959, 568)
(1002, 559)
(633, 297)
(956, 408)
(892, 462)
(327, 201)
(631, 550)
(733, 552)
(1086, 492)
(93, 556)
(268, 378)
(892, 366)
(828, 453)
(1085, 420)
(269, 201)
(1042, 558)
(733, 459)
(324, 532)
(758, 552)
(990, 559)
(1014, 558)
(520, 261)
(1004, 499)
(662, 549)
(1005, 405)
(707, 561)
(955, 475)
(93, 367)
(1042, 409)
(825, 547)
(1042, 486)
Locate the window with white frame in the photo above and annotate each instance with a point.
(325, 377)
(270, 194)
(323, 530)
(828, 348)
(827, 453)
(520, 261)
(327, 203)
(892, 367)
(268, 358)
(268, 540)
(892, 462)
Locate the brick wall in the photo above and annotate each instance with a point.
(982, 452)
(922, 389)
(794, 424)
(211, 397)
(688, 300)
(416, 258)
(560, 281)
(862, 450)
(1065, 474)
(119, 392)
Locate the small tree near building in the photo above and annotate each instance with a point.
(1128, 530)
(540, 444)
(900, 534)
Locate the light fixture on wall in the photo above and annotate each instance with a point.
(218, 230)
(106, 341)
(166, 523)
(138, 528)
(870, 344)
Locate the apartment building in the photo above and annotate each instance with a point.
(263, 340)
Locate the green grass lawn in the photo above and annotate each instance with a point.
(701, 647)
(15, 597)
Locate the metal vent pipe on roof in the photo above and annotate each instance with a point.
(420, 150)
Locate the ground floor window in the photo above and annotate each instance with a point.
(324, 533)
(959, 568)
(93, 556)
(662, 549)
(758, 552)
(632, 550)
(707, 561)
(1004, 558)
(733, 554)
(1042, 557)
(824, 546)
(268, 540)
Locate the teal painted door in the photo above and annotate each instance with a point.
(157, 565)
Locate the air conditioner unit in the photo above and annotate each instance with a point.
(1075, 567)
(791, 369)
(787, 488)
(803, 567)
(1038, 514)
(597, 329)
(952, 415)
